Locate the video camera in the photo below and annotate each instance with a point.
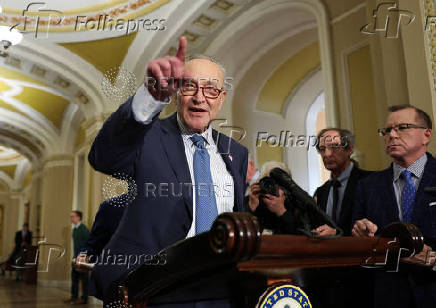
(309, 215)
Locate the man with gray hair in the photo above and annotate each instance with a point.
(339, 287)
(194, 173)
(335, 197)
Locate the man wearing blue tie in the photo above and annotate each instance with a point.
(186, 172)
(397, 194)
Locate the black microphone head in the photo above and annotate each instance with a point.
(281, 176)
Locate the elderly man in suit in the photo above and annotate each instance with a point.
(336, 196)
(186, 172)
(397, 194)
(339, 287)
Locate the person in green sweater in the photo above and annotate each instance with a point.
(80, 236)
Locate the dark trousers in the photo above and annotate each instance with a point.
(75, 278)
(17, 257)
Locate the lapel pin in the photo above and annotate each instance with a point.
(432, 204)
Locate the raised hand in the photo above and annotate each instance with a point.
(253, 195)
(164, 75)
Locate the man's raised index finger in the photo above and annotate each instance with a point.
(181, 52)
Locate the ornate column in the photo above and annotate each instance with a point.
(56, 199)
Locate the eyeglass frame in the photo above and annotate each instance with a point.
(202, 90)
(333, 147)
(382, 132)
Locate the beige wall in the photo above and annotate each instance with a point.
(399, 73)
(10, 204)
(417, 66)
(57, 193)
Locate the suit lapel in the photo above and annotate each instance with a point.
(428, 179)
(323, 196)
(348, 194)
(175, 151)
(389, 195)
(223, 145)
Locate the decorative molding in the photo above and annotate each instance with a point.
(14, 62)
(223, 6)
(205, 22)
(429, 7)
(58, 163)
(51, 78)
(347, 86)
(348, 13)
(25, 150)
(67, 20)
(297, 88)
(38, 71)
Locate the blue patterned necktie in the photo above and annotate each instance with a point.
(205, 202)
(407, 196)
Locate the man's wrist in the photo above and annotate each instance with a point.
(281, 212)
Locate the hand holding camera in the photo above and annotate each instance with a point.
(275, 204)
(271, 194)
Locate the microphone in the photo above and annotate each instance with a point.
(303, 200)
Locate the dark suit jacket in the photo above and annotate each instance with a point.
(105, 223)
(347, 205)
(153, 154)
(375, 200)
(19, 238)
(80, 236)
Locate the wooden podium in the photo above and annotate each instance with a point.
(233, 258)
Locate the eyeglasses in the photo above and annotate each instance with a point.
(332, 147)
(400, 128)
(191, 89)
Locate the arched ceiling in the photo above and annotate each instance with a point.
(14, 169)
(51, 90)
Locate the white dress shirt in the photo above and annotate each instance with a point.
(145, 107)
(417, 170)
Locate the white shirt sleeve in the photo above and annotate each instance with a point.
(145, 107)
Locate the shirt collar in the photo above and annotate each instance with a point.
(186, 134)
(417, 168)
(78, 224)
(345, 174)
